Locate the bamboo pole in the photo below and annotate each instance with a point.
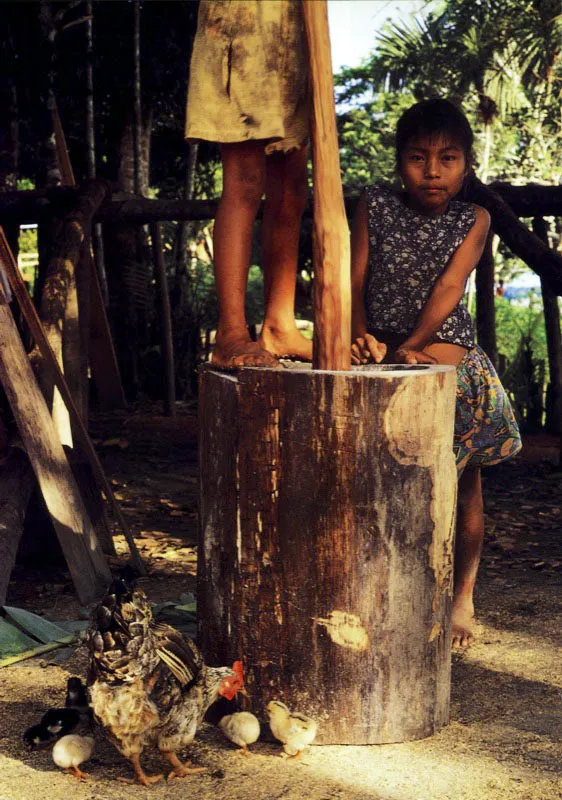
(332, 282)
(28, 309)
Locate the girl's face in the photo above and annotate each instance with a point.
(433, 170)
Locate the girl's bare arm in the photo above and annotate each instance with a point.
(447, 291)
(364, 347)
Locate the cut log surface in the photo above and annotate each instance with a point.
(327, 526)
(84, 557)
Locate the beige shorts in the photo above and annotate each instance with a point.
(249, 74)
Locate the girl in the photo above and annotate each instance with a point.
(248, 91)
(412, 252)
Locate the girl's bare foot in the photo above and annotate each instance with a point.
(463, 623)
(239, 351)
(286, 343)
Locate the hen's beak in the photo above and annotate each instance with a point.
(243, 691)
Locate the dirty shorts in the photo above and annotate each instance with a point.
(248, 77)
(485, 428)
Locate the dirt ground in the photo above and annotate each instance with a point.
(504, 739)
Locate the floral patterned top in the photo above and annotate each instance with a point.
(408, 251)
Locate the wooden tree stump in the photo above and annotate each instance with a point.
(326, 550)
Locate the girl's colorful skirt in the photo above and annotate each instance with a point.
(485, 428)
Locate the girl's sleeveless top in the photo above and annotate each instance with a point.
(407, 254)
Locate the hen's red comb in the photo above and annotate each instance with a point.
(237, 668)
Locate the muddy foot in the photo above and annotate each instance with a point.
(233, 353)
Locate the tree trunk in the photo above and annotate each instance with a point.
(60, 276)
(553, 343)
(326, 549)
(97, 236)
(16, 484)
(166, 339)
(485, 303)
(137, 106)
(332, 282)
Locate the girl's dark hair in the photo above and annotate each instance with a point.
(433, 118)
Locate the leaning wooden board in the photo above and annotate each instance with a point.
(73, 527)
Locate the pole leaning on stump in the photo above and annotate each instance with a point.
(328, 505)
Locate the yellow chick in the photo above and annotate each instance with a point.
(296, 731)
(71, 751)
(242, 728)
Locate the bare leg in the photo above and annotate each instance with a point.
(243, 186)
(286, 195)
(141, 777)
(181, 770)
(468, 548)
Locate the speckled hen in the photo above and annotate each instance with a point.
(148, 683)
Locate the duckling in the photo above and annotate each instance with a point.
(296, 731)
(71, 751)
(242, 728)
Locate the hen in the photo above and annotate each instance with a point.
(148, 683)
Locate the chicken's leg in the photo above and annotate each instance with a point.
(181, 770)
(73, 770)
(141, 776)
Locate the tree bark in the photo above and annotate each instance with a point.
(326, 548)
(332, 281)
(553, 343)
(485, 303)
(16, 484)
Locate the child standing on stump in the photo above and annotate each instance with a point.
(412, 253)
(248, 91)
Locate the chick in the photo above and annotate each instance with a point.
(71, 751)
(242, 728)
(76, 695)
(37, 735)
(296, 731)
(55, 722)
(60, 721)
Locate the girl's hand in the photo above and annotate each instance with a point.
(366, 349)
(405, 355)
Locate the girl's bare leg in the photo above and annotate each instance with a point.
(243, 187)
(286, 196)
(468, 548)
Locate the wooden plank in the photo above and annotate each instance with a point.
(75, 532)
(28, 309)
(326, 550)
(331, 248)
